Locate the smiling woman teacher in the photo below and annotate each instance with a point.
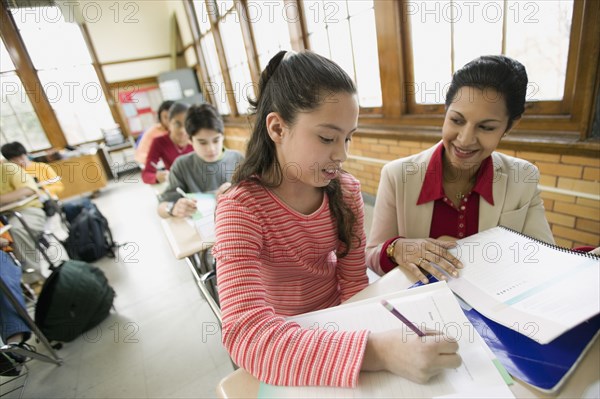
(460, 186)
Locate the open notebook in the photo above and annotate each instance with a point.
(537, 289)
(204, 218)
(433, 306)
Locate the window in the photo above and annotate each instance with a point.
(344, 31)
(220, 27)
(18, 120)
(535, 33)
(68, 78)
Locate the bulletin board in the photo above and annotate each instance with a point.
(140, 106)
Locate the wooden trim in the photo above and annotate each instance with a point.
(149, 81)
(31, 82)
(202, 71)
(587, 67)
(390, 55)
(297, 29)
(249, 43)
(572, 57)
(216, 33)
(114, 110)
(139, 59)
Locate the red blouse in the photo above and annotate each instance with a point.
(448, 219)
(162, 148)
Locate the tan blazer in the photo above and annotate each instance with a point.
(517, 202)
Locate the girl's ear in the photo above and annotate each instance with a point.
(275, 127)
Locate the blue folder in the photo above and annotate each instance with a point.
(545, 367)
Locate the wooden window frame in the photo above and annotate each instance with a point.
(569, 119)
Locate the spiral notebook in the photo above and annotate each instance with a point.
(527, 285)
(509, 273)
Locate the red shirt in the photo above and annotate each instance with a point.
(448, 219)
(162, 148)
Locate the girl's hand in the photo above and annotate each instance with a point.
(184, 207)
(416, 254)
(410, 356)
(595, 251)
(162, 176)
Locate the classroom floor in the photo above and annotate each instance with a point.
(163, 340)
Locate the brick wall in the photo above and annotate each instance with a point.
(573, 212)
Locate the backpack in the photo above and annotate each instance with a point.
(74, 298)
(89, 237)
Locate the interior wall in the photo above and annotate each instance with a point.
(569, 184)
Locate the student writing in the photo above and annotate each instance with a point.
(208, 168)
(290, 239)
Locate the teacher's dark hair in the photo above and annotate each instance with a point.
(503, 74)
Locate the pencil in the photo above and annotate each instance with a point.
(403, 319)
(180, 191)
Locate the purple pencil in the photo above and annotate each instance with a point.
(403, 319)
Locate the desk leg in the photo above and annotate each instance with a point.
(204, 290)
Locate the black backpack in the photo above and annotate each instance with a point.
(74, 298)
(89, 237)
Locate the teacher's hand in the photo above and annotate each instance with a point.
(415, 255)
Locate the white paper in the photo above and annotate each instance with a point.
(432, 306)
(535, 289)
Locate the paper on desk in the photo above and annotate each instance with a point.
(534, 289)
(432, 306)
(204, 218)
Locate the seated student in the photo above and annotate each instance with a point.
(15, 185)
(16, 153)
(158, 130)
(168, 147)
(208, 168)
(290, 239)
(461, 185)
(13, 329)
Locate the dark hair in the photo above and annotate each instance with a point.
(164, 106)
(203, 116)
(13, 150)
(293, 83)
(507, 76)
(177, 108)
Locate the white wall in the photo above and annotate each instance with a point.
(122, 30)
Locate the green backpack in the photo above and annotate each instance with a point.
(74, 298)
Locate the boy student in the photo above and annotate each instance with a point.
(15, 152)
(15, 185)
(208, 168)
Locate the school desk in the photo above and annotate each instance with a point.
(186, 244)
(240, 384)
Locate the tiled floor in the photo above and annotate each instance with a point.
(162, 341)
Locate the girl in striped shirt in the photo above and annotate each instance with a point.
(290, 239)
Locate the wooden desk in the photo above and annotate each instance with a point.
(183, 238)
(240, 384)
(80, 174)
(17, 204)
(186, 243)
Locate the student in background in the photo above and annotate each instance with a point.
(16, 153)
(461, 185)
(13, 329)
(290, 239)
(167, 148)
(158, 130)
(15, 185)
(209, 168)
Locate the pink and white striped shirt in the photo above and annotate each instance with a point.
(274, 262)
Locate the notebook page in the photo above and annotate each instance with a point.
(204, 218)
(519, 282)
(433, 306)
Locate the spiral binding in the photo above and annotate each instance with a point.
(553, 246)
